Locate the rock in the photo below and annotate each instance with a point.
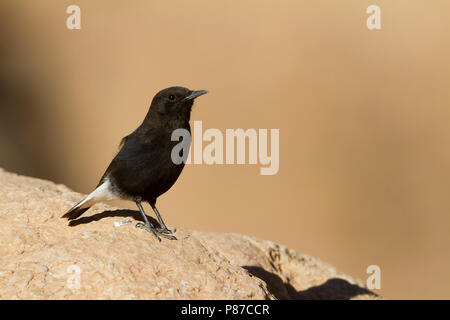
(102, 256)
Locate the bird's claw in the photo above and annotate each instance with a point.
(166, 230)
(156, 232)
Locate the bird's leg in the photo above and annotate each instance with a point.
(163, 228)
(148, 225)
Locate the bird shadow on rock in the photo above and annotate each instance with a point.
(332, 289)
(120, 213)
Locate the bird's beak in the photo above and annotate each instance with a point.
(195, 94)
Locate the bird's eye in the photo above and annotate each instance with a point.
(172, 97)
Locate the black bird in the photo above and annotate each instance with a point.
(143, 168)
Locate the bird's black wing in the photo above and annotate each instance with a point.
(140, 163)
(123, 141)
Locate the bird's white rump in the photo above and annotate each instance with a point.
(103, 192)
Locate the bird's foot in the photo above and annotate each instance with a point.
(166, 230)
(157, 232)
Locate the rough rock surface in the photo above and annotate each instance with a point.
(41, 257)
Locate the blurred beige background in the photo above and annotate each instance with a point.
(363, 116)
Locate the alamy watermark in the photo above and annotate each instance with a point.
(374, 20)
(374, 280)
(74, 20)
(74, 277)
(235, 146)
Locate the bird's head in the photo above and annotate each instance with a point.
(175, 102)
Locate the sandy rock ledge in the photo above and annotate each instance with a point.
(41, 257)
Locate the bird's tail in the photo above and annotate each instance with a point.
(102, 193)
(77, 210)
